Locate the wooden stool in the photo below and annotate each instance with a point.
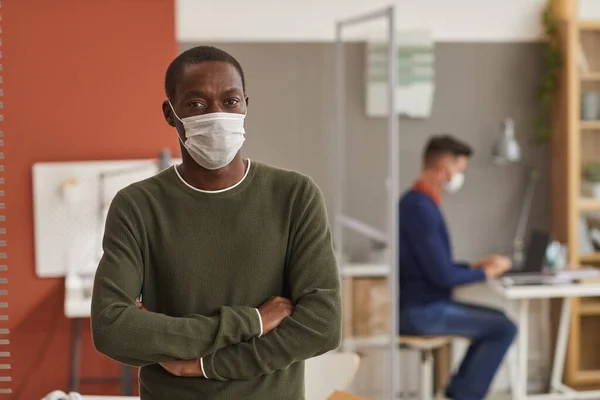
(425, 345)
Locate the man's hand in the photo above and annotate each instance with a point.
(184, 368)
(139, 305)
(274, 311)
(487, 261)
(497, 266)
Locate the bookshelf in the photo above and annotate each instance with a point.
(575, 143)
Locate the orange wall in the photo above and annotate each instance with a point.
(83, 81)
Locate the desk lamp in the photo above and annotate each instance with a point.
(506, 151)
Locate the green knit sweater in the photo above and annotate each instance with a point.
(203, 262)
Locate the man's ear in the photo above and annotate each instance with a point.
(168, 113)
(247, 101)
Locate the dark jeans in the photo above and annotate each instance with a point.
(490, 331)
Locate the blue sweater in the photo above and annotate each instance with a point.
(427, 270)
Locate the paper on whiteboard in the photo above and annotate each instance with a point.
(416, 75)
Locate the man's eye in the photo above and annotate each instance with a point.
(195, 104)
(232, 102)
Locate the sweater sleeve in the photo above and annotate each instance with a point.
(315, 325)
(422, 230)
(462, 264)
(126, 334)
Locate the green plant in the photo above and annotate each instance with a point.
(550, 80)
(591, 172)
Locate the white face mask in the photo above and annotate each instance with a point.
(213, 140)
(455, 183)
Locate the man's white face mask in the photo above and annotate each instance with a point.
(213, 140)
(455, 183)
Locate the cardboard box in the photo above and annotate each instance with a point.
(370, 307)
(345, 396)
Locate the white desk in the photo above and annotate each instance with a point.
(521, 295)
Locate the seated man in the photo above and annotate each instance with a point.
(428, 274)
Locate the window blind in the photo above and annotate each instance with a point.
(5, 366)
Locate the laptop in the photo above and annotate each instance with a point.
(535, 255)
(530, 271)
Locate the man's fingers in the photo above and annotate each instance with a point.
(289, 309)
(139, 305)
(285, 305)
(172, 371)
(281, 300)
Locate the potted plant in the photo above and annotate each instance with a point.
(590, 186)
(552, 66)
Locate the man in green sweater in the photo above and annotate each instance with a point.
(232, 259)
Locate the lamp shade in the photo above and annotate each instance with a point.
(506, 148)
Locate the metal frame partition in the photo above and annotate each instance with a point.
(342, 221)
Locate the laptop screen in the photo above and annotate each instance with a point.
(536, 252)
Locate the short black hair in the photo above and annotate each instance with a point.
(197, 55)
(442, 145)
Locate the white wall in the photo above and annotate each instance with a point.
(589, 9)
(313, 20)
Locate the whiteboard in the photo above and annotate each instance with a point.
(70, 201)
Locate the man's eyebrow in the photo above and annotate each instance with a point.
(194, 93)
(233, 90)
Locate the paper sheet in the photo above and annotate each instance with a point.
(416, 75)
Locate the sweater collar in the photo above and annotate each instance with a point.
(421, 186)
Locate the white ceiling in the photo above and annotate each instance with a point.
(314, 20)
